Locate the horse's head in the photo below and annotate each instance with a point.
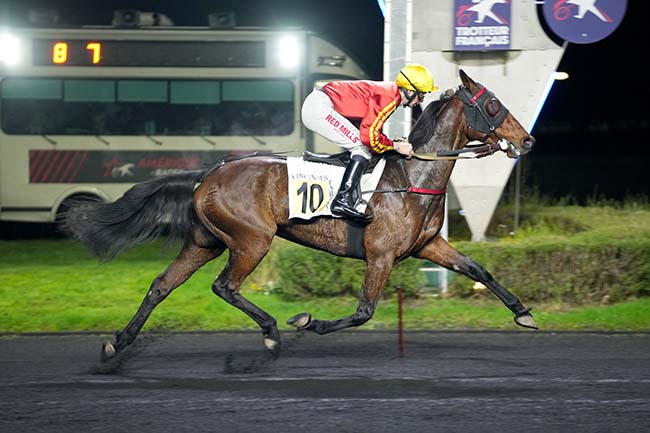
(490, 122)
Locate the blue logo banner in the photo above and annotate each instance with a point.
(481, 25)
(584, 21)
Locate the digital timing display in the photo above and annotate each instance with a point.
(75, 52)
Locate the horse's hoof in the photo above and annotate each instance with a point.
(300, 321)
(108, 351)
(270, 343)
(272, 346)
(527, 321)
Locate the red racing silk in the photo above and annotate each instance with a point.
(368, 104)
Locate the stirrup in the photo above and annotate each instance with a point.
(357, 216)
(351, 213)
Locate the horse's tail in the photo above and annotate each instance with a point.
(144, 212)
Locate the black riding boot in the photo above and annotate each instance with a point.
(349, 193)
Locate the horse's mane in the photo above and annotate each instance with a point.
(423, 129)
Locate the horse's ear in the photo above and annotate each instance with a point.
(467, 81)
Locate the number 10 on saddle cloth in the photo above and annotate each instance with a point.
(313, 185)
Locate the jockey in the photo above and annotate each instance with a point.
(352, 114)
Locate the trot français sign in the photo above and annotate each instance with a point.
(481, 25)
(584, 21)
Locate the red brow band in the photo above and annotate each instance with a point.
(478, 95)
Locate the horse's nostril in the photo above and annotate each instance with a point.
(529, 143)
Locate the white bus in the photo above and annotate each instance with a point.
(93, 110)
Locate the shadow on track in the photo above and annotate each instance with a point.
(117, 364)
(257, 365)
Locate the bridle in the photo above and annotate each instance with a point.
(485, 123)
(481, 124)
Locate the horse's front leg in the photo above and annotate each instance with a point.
(443, 254)
(377, 273)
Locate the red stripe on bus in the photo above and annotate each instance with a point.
(71, 164)
(84, 155)
(55, 175)
(50, 166)
(35, 158)
(42, 165)
(33, 155)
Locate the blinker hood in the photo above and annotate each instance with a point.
(475, 113)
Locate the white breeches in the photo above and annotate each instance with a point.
(319, 116)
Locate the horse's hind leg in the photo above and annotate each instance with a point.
(244, 257)
(186, 263)
(443, 254)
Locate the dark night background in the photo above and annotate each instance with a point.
(592, 133)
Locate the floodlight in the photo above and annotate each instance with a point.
(559, 76)
(9, 49)
(289, 51)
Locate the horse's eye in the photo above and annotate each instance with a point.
(492, 106)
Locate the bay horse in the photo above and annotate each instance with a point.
(242, 204)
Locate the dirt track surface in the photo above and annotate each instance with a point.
(351, 381)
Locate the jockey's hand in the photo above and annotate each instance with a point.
(403, 147)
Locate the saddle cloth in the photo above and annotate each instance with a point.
(313, 185)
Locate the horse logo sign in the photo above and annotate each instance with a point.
(481, 25)
(584, 21)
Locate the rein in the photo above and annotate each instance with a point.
(453, 155)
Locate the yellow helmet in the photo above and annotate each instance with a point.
(416, 77)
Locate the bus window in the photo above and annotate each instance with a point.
(195, 92)
(86, 103)
(142, 91)
(89, 90)
(141, 105)
(258, 107)
(199, 101)
(40, 88)
(147, 107)
(32, 96)
(250, 90)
